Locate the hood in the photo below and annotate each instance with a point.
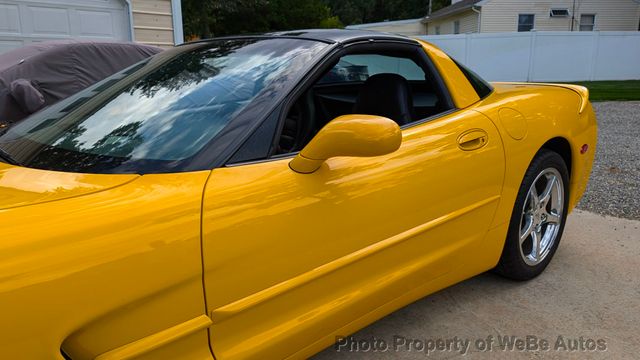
(23, 186)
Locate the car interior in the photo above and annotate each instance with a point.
(395, 84)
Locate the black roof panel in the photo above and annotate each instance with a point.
(341, 35)
(324, 35)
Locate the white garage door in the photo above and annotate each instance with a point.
(26, 21)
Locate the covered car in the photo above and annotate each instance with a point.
(41, 74)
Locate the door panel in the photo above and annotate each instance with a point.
(290, 258)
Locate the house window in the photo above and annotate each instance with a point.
(456, 27)
(438, 30)
(587, 22)
(525, 22)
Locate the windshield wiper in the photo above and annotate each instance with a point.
(8, 158)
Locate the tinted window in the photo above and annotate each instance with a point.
(360, 67)
(162, 117)
(350, 87)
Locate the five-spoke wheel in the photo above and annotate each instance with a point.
(541, 216)
(538, 218)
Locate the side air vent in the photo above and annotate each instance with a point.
(559, 13)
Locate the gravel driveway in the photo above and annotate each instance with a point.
(614, 188)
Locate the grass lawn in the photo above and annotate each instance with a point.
(612, 90)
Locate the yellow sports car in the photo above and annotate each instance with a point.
(255, 197)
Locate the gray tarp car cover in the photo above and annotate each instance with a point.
(38, 75)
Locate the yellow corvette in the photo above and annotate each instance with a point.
(255, 197)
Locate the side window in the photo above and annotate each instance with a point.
(360, 67)
(398, 84)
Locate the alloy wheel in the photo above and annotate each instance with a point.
(541, 216)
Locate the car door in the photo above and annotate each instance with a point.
(290, 258)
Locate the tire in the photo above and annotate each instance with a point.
(537, 215)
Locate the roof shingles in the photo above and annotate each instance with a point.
(453, 9)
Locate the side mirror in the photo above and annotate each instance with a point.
(349, 135)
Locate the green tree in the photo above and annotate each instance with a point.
(205, 19)
(365, 11)
(332, 22)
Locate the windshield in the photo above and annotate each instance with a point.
(150, 117)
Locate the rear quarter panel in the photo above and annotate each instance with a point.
(549, 112)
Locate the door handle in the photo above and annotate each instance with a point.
(473, 139)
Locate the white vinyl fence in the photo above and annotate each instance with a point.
(546, 55)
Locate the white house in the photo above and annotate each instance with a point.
(155, 22)
(470, 16)
(490, 16)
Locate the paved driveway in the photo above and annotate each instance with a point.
(591, 290)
